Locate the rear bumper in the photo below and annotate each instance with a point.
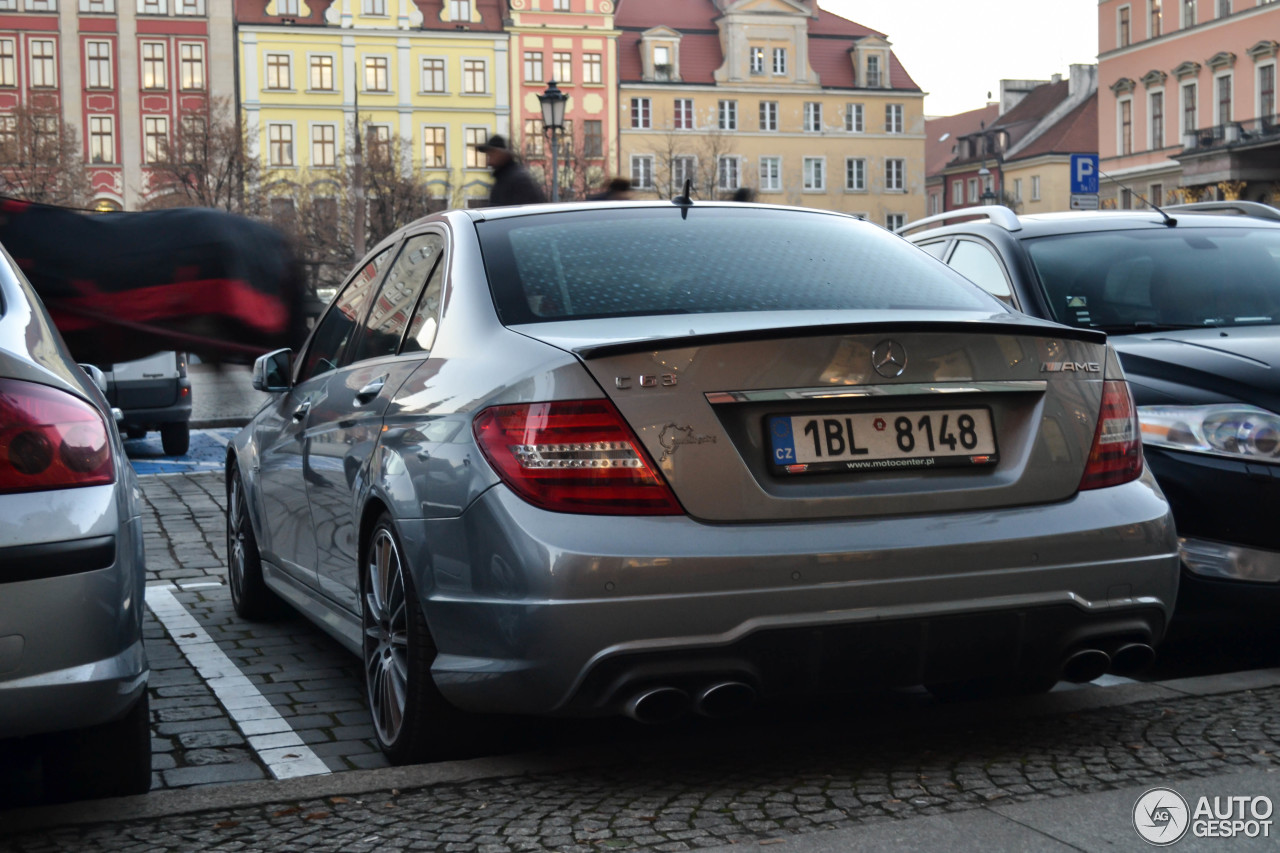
(539, 612)
(71, 651)
(178, 411)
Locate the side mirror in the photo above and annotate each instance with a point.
(95, 373)
(273, 371)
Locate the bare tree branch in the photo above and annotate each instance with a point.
(41, 159)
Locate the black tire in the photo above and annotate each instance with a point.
(398, 652)
(136, 432)
(250, 596)
(176, 439)
(110, 760)
(992, 688)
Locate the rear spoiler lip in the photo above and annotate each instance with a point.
(1031, 327)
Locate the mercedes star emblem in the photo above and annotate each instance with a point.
(889, 358)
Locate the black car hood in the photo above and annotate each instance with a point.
(1196, 365)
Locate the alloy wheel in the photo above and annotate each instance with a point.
(236, 520)
(386, 637)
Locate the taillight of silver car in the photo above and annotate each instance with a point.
(573, 456)
(50, 439)
(1116, 455)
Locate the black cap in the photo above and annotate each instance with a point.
(495, 143)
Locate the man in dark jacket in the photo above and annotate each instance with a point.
(512, 183)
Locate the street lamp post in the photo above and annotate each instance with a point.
(553, 101)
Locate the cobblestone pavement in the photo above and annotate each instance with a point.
(780, 783)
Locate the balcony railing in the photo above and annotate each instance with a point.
(1233, 133)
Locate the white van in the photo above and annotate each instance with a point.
(154, 393)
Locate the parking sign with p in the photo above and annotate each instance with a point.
(1084, 173)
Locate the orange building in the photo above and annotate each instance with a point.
(1187, 106)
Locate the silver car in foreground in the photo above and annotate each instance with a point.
(72, 667)
(659, 458)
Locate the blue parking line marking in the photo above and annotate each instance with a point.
(208, 452)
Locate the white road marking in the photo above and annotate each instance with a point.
(186, 585)
(269, 734)
(216, 436)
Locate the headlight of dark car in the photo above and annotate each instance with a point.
(1233, 431)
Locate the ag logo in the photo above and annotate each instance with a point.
(1161, 817)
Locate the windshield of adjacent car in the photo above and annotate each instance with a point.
(1173, 278)
(646, 261)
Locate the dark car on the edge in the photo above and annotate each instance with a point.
(1190, 299)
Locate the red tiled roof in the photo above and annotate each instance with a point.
(831, 38)
(937, 150)
(1075, 133)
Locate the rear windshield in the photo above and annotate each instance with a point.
(628, 262)
(1133, 281)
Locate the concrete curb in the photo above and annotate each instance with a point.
(247, 794)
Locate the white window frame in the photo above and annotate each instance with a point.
(973, 190)
(287, 8)
(313, 66)
(755, 61)
(95, 137)
(445, 158)
(813, 117)
(183, 64)
(150, 154)
(1152, 6)
(878, 82)
(1257, 89)
(423, 73)
(8, 62)
(484, 69)
(1183, 5)
(268, 70)
(373, 8)
(560, 6)
(855, 174)
(314, 131)
(642, 178)
(51, 67)
(686, 170)
(42, 5)
(641, 113)
(1194, 86)
(473, 135)
(533, 66)
(562, 66)
(592, 69)
(855, 118)
(94, 66)
(727, 114)
(779, 64)
(682, 115)
(459, 10)
(900, 178)
(188, 7)
(728, 172)
(1017, 189)
(98, 7)
(292, 142)
(153, 7)
(814, 180)
(1154, 143)
(770, 170)
(769, 109)
(1035, 187)
(894, 118)
(366, 66)
(1120, 104)
(1119, 11)
(894, 221)
(957, 191)
(1217, 116)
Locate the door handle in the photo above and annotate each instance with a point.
(371, 390)
(301, 412)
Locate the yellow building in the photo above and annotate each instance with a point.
(776, 96)
(433, 73)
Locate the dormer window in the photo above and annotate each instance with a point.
(757, 60)
(873, 72)
(460, 10)
(662, 63)
(779, 61)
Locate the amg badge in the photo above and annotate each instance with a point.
(1070, 367)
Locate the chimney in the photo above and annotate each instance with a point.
(1056, 78)
(1083, 81)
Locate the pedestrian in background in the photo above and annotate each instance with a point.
(512, 183)
(618, 189)
(744, 194)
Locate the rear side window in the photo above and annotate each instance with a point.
(1177, 277)
(979, 264)
(635, 262)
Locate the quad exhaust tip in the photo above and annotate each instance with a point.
(658, 705)
(724, 699)
(1131, 658)
(1085, 665)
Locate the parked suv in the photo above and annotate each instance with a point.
(1190, 299)
(154, 393)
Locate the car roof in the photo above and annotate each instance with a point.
(486, 213)
(1079, 222)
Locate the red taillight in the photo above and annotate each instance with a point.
(575, 456)
(1116, 456)
(50, 439)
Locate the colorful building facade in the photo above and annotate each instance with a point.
(778, 97)
(124, 73)
(433, 73)
(573, 43)
(1188, 105)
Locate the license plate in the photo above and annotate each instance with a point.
(882, 441)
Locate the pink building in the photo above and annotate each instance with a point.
(1188, 100)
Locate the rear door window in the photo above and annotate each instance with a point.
(397, 297)
(978, 263)
(342, 319)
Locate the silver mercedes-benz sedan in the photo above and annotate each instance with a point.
(73, 672)
(659, 458)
